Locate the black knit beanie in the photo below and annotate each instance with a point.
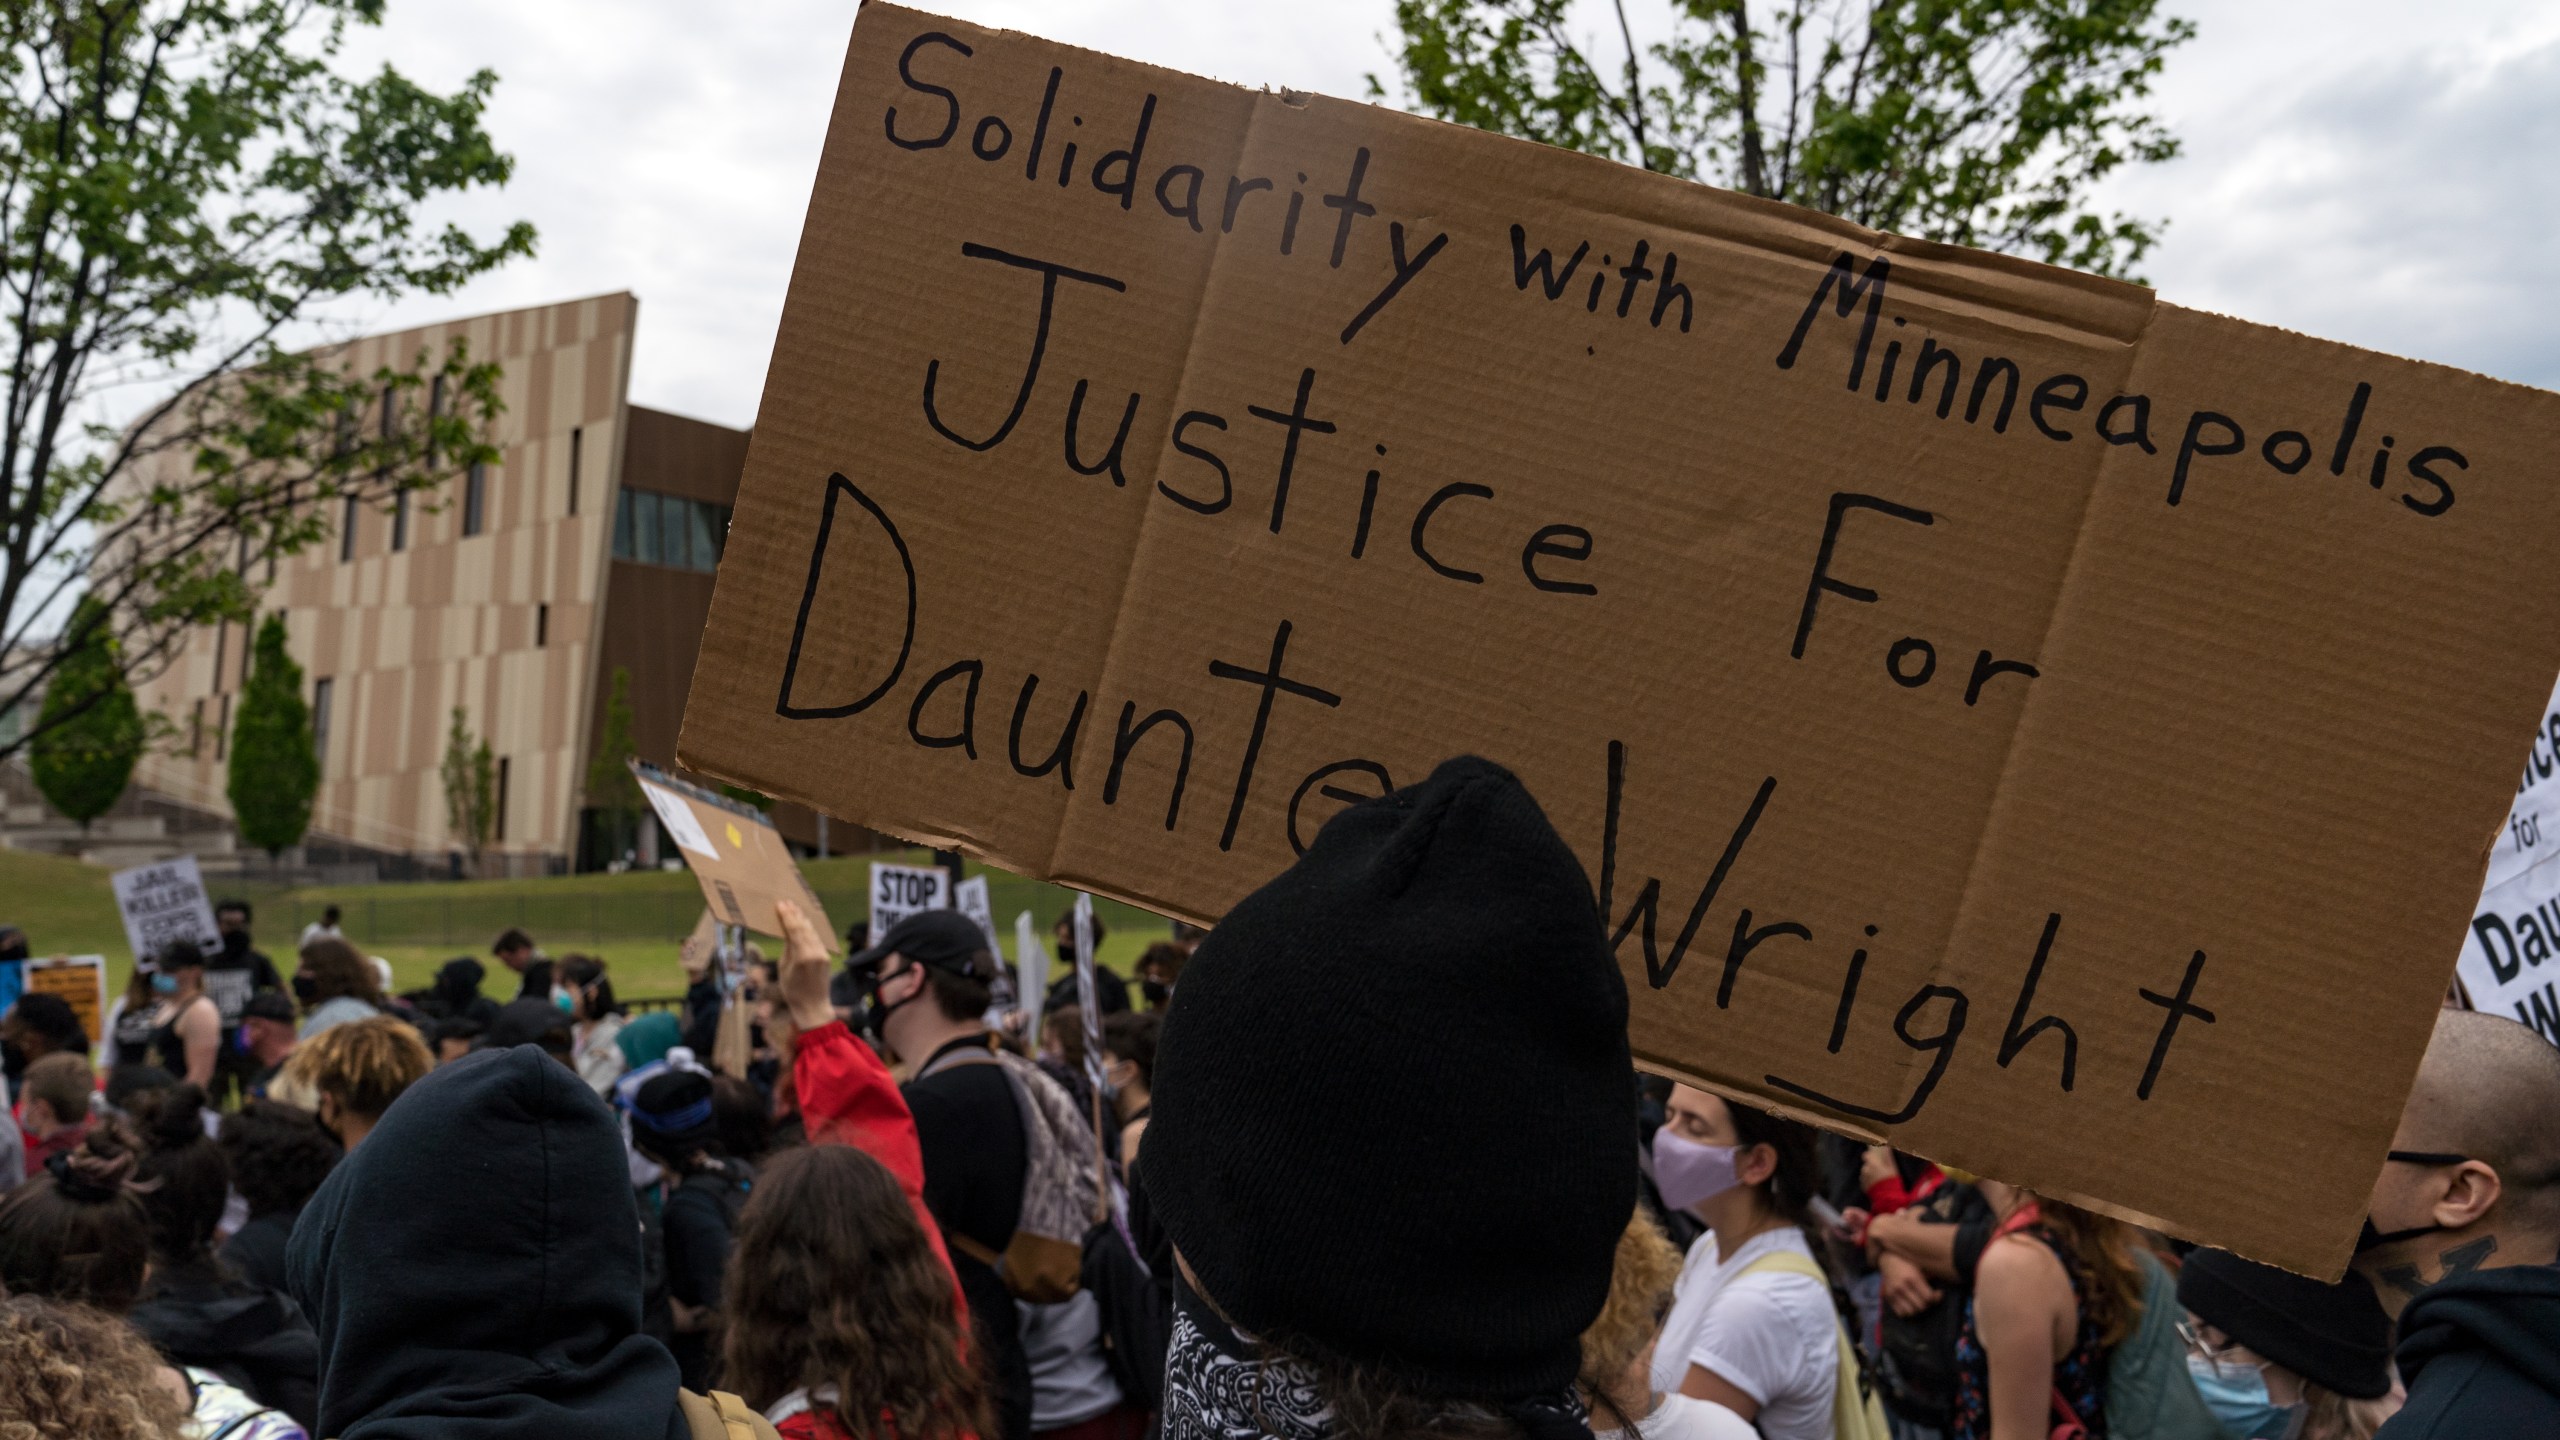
(1394, 1121)
(2334, 1336)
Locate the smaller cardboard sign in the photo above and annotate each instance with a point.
(165, 902)
(740, 860)
(81, 981)
(972, 901)
(898, 891)
(2511, 957)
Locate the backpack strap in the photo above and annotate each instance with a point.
(1856, 1412)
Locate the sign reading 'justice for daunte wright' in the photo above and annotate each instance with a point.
(1999, 712)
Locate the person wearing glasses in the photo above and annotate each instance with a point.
(2280, 1357)
(2463, 1230)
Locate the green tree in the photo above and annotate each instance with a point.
(1975, 122)
(89, 732)
(611, 790)
(274, 770)
(470, 777)
(186, 185)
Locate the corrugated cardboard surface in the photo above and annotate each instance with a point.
(2270, 722)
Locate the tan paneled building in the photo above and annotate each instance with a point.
(589, 544)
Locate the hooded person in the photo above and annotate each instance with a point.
(1386, 1229)
(476, 1275)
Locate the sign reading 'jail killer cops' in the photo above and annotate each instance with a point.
(2051, 729)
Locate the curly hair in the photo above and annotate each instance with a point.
(363, 1064)
(278, 1154)
(67, 1370)
(1639, 1292)
(77, 1232)
(339, 969)
(832, 1282)
(186, 1180)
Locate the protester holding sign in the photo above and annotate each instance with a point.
(2462, 1231)
(926, 985)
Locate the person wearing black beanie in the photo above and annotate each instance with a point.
(1392, 1138)
(2277, 1355)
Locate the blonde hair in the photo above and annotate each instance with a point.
(1639, 1285)
(362, 1064)
(71, 1370)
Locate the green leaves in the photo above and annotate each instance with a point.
(180, 182)
(274, 771)
(470, 778)
(1974, 122)
(89, 733)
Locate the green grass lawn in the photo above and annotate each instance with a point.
(632, 921)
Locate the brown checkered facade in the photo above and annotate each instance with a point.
(411, 618)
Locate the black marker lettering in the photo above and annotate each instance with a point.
(1272, 683)
(950, 101)
(1049, 276)
(1422, 522)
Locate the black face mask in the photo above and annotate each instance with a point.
(875, 1014)
(1156, 991)
(235, 943)
(305, 989)
(2371, 1238)
(13, 1061)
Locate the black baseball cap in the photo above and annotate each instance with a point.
(943, 939)
(268, 1005)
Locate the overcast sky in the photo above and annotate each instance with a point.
(2372, 171)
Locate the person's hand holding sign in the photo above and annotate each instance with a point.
(804, 968)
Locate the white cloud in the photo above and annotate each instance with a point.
(2366, 170)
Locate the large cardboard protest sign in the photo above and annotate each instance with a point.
(2511, 960)
(742, 862)
(2000, 711)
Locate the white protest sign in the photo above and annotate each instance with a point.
(165, 902)
(2515, 933)
(973, 903)
(898, 891)
(1032, 964)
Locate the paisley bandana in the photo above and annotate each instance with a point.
(1217, 1388)
(1220, 1385)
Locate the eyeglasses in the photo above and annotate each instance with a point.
(2218, 1356)
(2431, 1158)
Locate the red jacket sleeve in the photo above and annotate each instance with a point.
(848, 1097)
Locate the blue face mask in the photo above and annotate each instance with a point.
(164, 983)
(2237, 1396)
(567, 1002)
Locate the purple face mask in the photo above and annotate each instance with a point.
(1687, 1172)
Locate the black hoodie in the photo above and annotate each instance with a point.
(2481, 1355)
(473, 1268)
(246, 1333)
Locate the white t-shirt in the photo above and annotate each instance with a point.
(1679, 1417)
(1772, 1335)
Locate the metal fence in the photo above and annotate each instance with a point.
(467, 923)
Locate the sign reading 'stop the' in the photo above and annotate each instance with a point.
(1996, 709)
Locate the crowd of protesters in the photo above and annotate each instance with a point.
(1368, 1160)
